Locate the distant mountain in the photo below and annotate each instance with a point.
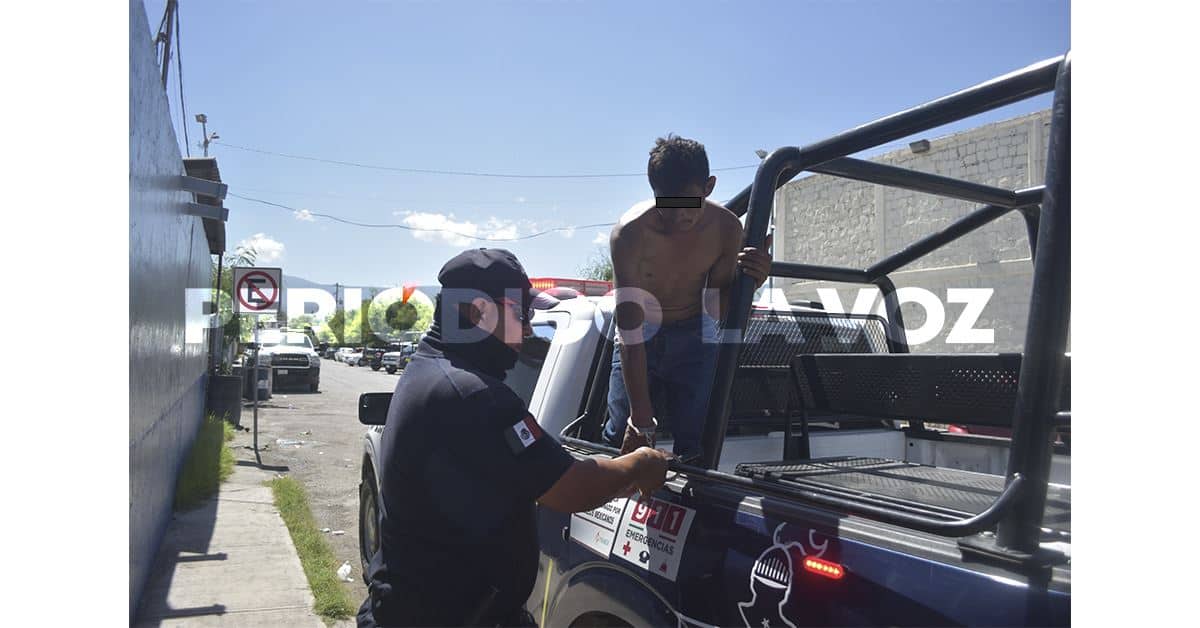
(290, 281)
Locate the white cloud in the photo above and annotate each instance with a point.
(305, 215)
(568, 233)
(267, 248)
(601, 238)
(434, 227)
(496, 228)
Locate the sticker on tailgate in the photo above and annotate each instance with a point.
(597, 528)
(650, 533)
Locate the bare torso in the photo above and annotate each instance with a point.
(674, 266)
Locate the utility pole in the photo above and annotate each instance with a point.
(203, 120)
(337, 307)
(164, 36)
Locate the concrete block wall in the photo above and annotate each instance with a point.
(167, 254)
(825, 220)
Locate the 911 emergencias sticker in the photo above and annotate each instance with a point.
(652, 535)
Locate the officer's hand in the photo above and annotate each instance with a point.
(651, 469)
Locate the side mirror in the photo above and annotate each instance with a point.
(373, 408)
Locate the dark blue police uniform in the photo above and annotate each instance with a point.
(463, 464)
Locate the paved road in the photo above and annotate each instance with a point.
(329, 462)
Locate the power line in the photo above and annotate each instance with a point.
(461, 173)
(536, 205)
(179, 66)
(875, 150)
(409, 228)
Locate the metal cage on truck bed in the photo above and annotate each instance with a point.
(1018, 509)
(1027, 392)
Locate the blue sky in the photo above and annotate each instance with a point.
(539, 87)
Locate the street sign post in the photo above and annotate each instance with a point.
(257, 291)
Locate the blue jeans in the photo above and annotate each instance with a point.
(681, 358)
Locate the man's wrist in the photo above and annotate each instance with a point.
(645, 427)
(642, 420)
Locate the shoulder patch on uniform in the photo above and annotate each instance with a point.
(522, 434)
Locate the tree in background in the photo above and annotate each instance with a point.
(233, 330)
(302, 321)
(376, 323)
(332, 330)
(598, 267)
(392, 318)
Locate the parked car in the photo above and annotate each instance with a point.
(372, 357)
(396, 359)
(292, 357)
(342, 353)
(352, 358)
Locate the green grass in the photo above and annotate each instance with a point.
(209, 463)
(320, 566)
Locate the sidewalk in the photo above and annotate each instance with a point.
(230, 562)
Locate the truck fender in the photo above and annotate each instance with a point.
(603, 589)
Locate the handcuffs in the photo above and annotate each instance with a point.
(645, 433)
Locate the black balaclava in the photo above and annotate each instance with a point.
(488, 354)
(490, 273)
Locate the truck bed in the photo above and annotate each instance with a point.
(937, 491)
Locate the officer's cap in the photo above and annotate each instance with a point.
(493, 272)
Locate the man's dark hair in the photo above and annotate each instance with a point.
(676, 163)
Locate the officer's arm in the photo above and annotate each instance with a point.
(591, 482)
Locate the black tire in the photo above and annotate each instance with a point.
(368, 521)
(374, 367)
(391, 370)
(599, 620)
(312, 388)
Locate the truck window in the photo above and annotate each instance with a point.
(524, 375)
(289, 339)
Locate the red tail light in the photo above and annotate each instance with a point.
(824, 568)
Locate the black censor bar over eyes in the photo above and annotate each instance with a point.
(677, 202)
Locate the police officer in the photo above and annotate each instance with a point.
(463, 463)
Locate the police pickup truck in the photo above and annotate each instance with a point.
(823, 496)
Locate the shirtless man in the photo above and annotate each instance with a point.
(664, 258)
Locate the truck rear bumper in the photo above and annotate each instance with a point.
(296, 376)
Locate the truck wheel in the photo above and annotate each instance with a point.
(312, 388)
(391, 370)
(374, 367)
(368, 521)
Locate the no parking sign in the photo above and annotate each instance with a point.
(257, 290)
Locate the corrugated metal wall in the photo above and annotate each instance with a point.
(167, 254)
